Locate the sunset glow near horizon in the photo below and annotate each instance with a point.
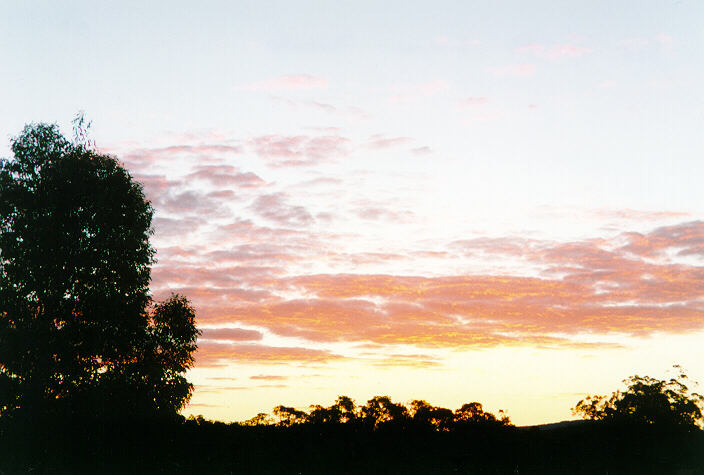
(457, 201)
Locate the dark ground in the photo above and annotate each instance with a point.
(175, 446)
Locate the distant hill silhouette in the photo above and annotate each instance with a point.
(556, 425)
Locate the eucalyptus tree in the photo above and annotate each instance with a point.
(77, 323)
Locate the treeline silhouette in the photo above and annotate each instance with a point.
(381, 436)
(381, 411)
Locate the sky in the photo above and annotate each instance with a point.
(493, 201)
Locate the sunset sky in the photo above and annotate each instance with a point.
(452, 201)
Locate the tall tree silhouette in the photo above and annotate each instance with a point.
(75, 319)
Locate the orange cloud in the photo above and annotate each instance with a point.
(268, 377)
(685, 238)
(220, 354)
(238, 334)
(636, 215)
(412, 361)
(591, 287)
(621, 285)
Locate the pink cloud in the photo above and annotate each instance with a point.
(251, 232)
(432, 87)
(684, 238)
(356, 113)
(138, 159)
(322, 106)
(166, 227)
(508, 246)
(421, 150)
(350, 113)
(473, 101)
(321, 181)
(663, 39)
(635, 42)
(637, 215)
(444, 40)
(590, 287)
(380, 142)
(222, 175)
(376, 213)
(157, 187)
(221, 354)
(553, 52)
(517, 70)
(258, 252)
(412, 92)
(299, 150)
(288, 82)
(274, 207)
(209, 287)
(238, 334)
(368, 258)
(192, 203)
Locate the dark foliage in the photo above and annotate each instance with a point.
(77, 330)
(647, 401)
(138, 445)
(380, 412)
